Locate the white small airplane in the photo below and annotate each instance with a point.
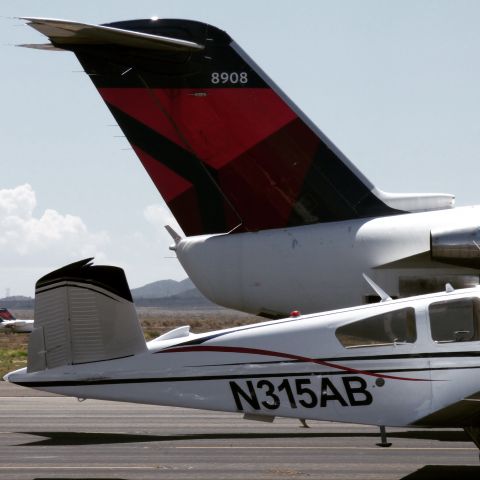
(410, 362)
(9, 323)
(275, 216)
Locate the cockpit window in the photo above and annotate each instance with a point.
(395, 327)
(455, 320)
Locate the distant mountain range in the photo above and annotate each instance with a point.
(168, 294)
(163, 288)
(17, 301)
(171, 294)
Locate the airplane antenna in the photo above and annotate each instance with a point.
(384, 296)
(449, 288)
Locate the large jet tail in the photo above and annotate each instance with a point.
(5, 314)
(224, 146)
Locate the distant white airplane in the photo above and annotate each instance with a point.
(9, 323)
(276, 217)
(409, 362)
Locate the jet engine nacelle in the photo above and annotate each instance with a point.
(458, 246)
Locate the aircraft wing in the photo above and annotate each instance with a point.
(62, 32)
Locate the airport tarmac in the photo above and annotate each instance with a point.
(52, 437)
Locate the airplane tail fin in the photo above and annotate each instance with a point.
(226, 148)
(5, 315)
(83, 313)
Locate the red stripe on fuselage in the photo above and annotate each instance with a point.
(289, 356)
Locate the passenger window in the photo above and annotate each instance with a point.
(388, 328)
(455, 320)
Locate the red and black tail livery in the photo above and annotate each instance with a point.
(224, 146)
(5, 315)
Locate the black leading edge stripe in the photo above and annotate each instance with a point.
(222, 377)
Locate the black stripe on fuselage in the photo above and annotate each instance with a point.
(359, 358)
(200, 341)
(206, 338)
(225, 377)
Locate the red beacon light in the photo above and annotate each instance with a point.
(295, 313)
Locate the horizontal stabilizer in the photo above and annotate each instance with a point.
(62, 32)
(83, 313)
(40, 46)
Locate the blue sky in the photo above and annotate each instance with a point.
(395, 85)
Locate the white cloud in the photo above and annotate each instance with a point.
(35, 243)
(48, 239)
(158, 216)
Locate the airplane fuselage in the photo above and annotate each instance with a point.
(395, 369)
(319, 267)
(17, 326)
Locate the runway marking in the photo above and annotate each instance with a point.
(83, 467)
(263, 447)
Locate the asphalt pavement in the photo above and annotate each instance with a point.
(52, 437)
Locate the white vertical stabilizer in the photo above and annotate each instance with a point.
(83, 313)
